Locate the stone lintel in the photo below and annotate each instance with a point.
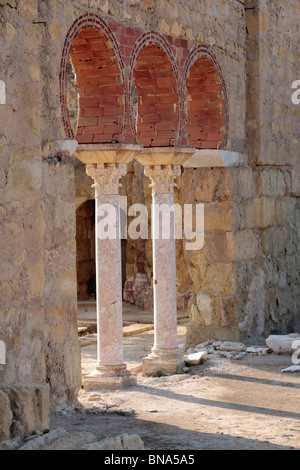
(165, 156)
(107, 153)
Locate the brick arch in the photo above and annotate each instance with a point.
(95, 56)
(206, 103)
(154, 77)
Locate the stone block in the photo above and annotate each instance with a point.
(72, 441)
(218, 217)
(29, 9)
(242, 245)
(261, 212)
(205, 305)
(154, 365)
(283, 344)
(196, 358)
(6, 416)
(30, 404)
(219, 280)
(67, 282)
(122, 442)
(36, 280)
(207, 186)
(6, 115)
(42, 441)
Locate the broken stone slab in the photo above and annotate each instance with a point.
(46, 439)
(232, 346)
(283, 344)
(122, 442)
(254, 350)
(196, 358)
(291, 369)
(72, 441)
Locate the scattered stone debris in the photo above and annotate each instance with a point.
(60, 439)
(283, 344)
(210, 349)
(222, 349)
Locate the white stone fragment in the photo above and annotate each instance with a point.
(282, 344)
(2, 353)
(196, 358)
(2, 92)
(252, 349)
(291, 369)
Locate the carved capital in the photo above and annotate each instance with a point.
(162, 178)
(106, 177)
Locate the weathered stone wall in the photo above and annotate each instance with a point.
(38, 270)
(254, 230)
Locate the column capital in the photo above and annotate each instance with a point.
(106, 177)
(162, 177)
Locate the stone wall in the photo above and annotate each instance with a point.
(38, 270)
(252, 213)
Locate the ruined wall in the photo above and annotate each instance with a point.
(254, 231)
(251, 210)
(38, 298)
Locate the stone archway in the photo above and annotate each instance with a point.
(154, 78)
(206, 104)
(94, 53)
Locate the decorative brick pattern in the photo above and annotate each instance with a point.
(207, 116)
(143, 87)
(96, 58)
(154, 73)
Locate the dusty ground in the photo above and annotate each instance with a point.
(222, 404)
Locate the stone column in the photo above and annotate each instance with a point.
(165, 357)
(110, 370)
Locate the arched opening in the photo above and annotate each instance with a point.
(100, 88)
(205, 106)
(155, 99)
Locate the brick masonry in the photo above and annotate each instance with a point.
(181, 93)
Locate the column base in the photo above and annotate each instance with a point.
(163, 362)
(109, 378)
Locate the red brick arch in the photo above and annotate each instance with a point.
(155, 76)
(99, 68)
(206, 104)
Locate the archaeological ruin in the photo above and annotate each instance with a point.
(108, 109)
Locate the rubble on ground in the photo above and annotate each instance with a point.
(60, 439)
(283, 344)
(223, 349)
(210, 349)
